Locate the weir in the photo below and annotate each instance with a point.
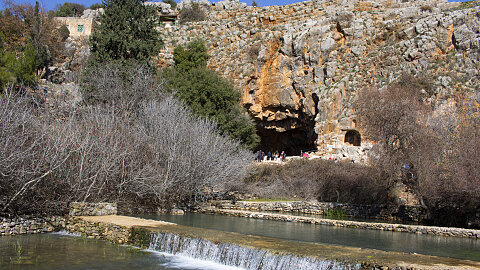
(234, 255)
(251, 251)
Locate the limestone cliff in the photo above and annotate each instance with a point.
(300, 66)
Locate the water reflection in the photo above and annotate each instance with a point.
(454, 247)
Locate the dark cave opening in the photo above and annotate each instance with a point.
(297, 135)
(293, 142)
(353, 137)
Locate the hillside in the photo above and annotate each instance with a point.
(300, 66)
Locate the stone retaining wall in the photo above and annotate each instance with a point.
(92, 209)
(399, 213)
(27, 225)
(98, 230)
(440, 231)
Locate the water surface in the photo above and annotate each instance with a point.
(60, 251)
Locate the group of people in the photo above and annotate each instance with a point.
(261, 156)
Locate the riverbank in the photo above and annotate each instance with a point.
(418, 229)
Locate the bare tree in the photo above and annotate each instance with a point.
(148, 153)
(437, 150)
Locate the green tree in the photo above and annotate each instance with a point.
(126, 33)
(19, 68)
(95, 6)
(37, 33)
(195, 55)
(69, 10)
(207, 94)
(254, 3)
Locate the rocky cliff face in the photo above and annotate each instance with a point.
(300, 66)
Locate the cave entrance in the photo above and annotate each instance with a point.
(353, 137)
(293, 142)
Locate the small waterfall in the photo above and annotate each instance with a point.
(234, 255)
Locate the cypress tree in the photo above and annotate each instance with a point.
(127, 32)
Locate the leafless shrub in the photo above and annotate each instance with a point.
(318, 179)
(193, 13)
(119, 87)
(426, 8)
(149, 154)
(438, 150)
(395, 117)
(253, 51)
(29, 156)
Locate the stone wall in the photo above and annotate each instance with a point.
(30, 225)
(399, 213)
(98, 230)
(92, 209)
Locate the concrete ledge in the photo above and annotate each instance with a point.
(419, 229)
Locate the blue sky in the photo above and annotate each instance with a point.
(51, 4)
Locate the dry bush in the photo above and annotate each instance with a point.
(193, 13)
(118, 87)
(253, 51)
(395, 118)
(426, 8)
(29, 156)
(441, 150)
(448, 175)
(318, 179)
(150, 153)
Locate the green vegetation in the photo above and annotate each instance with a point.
(69, 10)
(19, 68)
(126, 34)
(96, 6)
(254, 3)
(140, 237)
(193, 56)
(334, 213)
(29, 41)
(207, 94)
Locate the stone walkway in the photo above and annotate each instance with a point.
(125, 221)
(419, 229)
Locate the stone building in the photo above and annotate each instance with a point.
(78, 27)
